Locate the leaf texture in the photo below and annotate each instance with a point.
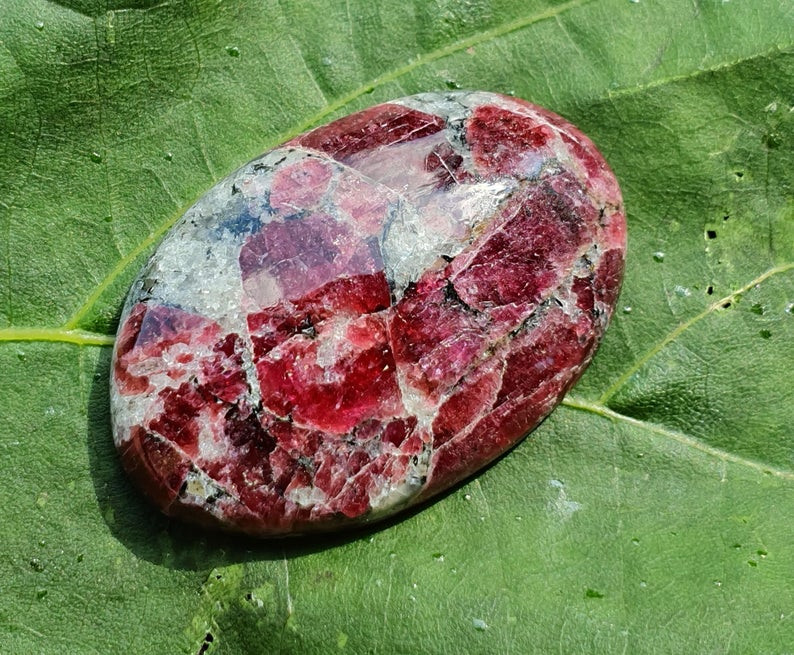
(650, 513)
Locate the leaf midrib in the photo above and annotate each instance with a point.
(597, 408)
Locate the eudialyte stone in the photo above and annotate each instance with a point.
(367, 314)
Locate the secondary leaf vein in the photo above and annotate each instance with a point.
(605, 412)
(56, 335)
(684, 326)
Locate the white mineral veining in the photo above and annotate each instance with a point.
(386, 494)
(200, 275)
(332, 344)
(210, 448)
(130, 410)
(306, 496)
(453, 106)
(416, 402)
(198, 488)
(415, 239)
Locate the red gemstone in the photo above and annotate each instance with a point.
(366, 315)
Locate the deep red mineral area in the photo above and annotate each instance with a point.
(369, 313)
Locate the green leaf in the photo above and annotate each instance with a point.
(650, 513)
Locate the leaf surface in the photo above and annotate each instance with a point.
(650, 513)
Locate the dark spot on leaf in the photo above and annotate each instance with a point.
(592, 593)
(752, 562)
(324, 576)
(758, 308)
(765, 334)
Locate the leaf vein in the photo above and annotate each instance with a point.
(694, 74)
(684, 326)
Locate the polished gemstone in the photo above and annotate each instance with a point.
(367, 314)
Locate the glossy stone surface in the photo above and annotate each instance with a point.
(367, 314)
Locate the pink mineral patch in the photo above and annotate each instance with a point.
(366, 315)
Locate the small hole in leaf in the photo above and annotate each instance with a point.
(726, 217)
(739, 175)
(208, 639)
(711, 234)
(726, 305)
(709, 290)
